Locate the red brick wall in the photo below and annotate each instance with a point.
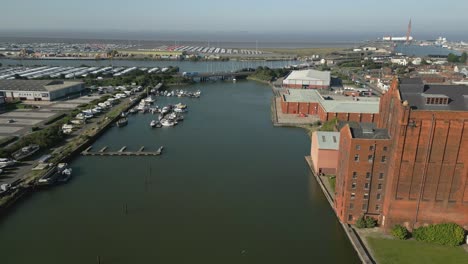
(345, 179)
(427, 178)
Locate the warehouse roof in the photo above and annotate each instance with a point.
(334, 103)
(309, 75)
(365, 130)
(35, 85)
(328, 140)
(417, 94)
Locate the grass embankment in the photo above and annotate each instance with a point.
(304, 51)
(392, 251)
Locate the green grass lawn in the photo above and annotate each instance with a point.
(390, 251)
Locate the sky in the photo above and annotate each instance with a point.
(430, 18)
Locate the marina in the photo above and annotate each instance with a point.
(207, 195)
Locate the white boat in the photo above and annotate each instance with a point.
(153, 123)
(64, 172)
(167, 123)
(179, 110)
(149, 100)
(181, 106)
(165, 110)
(5, 162)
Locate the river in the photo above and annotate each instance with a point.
(229, 188)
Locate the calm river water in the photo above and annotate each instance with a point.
(230, 188)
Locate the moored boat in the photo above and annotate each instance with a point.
(25, 152)
(122, 122)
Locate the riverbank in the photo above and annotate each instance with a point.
(67, 151)
(281, 120)
(357, 242)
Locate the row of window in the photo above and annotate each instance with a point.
(370, 158)
(366, 196)
(371, 148)
(368, 175)
(364, 207)
(367, 186)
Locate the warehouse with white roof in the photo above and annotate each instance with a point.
(38, 90)
(307, 79)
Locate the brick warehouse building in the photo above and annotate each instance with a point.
(423, 176)
(344, 108)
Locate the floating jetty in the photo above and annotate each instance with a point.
(121, 152)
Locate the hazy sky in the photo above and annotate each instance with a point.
(299, 16)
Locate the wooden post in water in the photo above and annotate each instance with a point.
(98, 259)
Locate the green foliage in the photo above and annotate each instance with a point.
(370, 222)
(329, 125)
(448, 234)
(366, 222)
(400, 232)
(361, 222)
(453, 58)
(267, 74)
(463, 57)
(45, 138)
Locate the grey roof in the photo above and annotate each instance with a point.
(308, 75)
(340, 105)
(328, 140)
(34, 85)
(415, 92)
(365, 130)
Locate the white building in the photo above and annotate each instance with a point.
(307, 79)
(38, 90)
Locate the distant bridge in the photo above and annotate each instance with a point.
(206, 76)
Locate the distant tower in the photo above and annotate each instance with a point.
(408, 33)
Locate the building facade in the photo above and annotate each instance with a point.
(38, 90)
(307, 79)
(418, 173)
(342, 108)
(362, 168)
(324, 151)
(427, 177)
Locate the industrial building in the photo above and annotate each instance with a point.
(330, 106)
(409, 167)
(38, 90)
(324, 149)
(307, 79)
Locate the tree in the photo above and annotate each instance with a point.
(463, 57)
(400, 232)
(361, 222)
(370, 222)
(452, 58)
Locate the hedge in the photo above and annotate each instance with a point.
(400, 232)
(448, 234)
(366, 222)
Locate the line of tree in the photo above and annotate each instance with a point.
(457, 59)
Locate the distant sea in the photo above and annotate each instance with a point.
(221, 44)
(416, 50)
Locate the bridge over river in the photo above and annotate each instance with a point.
(207, 76)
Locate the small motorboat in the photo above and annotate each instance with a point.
(153, 123)
(122, 122)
